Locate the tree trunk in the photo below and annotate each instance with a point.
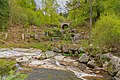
(90, 1)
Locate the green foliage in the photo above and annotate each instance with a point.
(50, 9)
(6, 69)
(17, 76)
(24, 12)
(4, 14)
(106, 33)
(6, 66)
(43, 46)
(79, 10)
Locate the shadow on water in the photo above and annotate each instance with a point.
(50, 74)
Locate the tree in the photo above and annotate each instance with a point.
(4, 14)
(50, 10)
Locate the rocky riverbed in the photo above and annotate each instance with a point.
(54, 64)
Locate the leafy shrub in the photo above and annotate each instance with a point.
(6, 66)
(106, 33)
(17, 76)
(6, 69)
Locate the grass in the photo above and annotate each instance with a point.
(43, 46)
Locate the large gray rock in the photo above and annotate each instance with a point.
(84, 58)
(108, 56)
(82, 66)
(56, 50)
(117, 76)
(114, 66)
(36, 63)
(23, 60)
(73, 49)
(59, 57)
(105, 65)
(68, 59)
(40, 57)
(77, 37)
(91, 64)
(50, 54)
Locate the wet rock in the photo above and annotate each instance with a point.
(117, 76)
(36, 63)
(65, 63)
(21, 50)
(4, 49)
(50, 54)
(91, 64)
(84, 58)
(23, 60)
(59, 57)
(40, 57)
(37, 51)
(68, 59)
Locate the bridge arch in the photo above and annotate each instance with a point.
(63, 25)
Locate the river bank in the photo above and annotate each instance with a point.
(35, 58)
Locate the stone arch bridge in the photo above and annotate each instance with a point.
(63, 25)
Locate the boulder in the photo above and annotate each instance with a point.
(65, 63)
(77, 37)
(108, 56)
(82, 66)
(114, 66)
(50, 54)
(84, 58)
(68, 59)
(105, 65)
(65, 49)
(36, 63)
(117, 76)
(59, 57)
(56, 50)
(75, 64)
(23, 60)
(73, 49)
(91, 64)
(40, 57)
